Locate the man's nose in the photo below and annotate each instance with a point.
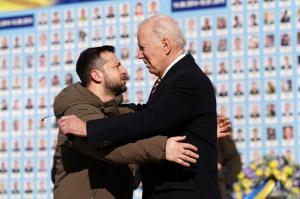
(140, 54)
(124, 70)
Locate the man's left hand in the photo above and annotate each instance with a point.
(72, 124)
(181, 153)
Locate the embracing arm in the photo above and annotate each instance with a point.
(141, 151)
(179, 105)
(152, 149)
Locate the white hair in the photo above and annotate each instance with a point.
(165, 26)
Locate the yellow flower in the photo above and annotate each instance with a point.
(283, 177)
(253, 166)
(273, 164)
(295, 190)
(270, 167)
(259, 172)
(288, 184)
(247, 191)
(288, 170)
(267, 172)
(236, 188)
(276, 173)
(241, 176)
(246, 183)
(239, 195)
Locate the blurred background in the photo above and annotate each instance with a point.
(249, 49)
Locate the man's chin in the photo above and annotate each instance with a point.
(124, 89)
(120, 90)
(150, 71)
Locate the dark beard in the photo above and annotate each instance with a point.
(114, 88)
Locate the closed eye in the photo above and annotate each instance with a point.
(118, 65)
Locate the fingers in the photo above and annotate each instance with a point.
(222, 120)
(191, 154)
(188, 159)
(178, 138)
(181, 162)
(185, 160)
(66, 118)
(188, 150)
(63, 126)
(65, 123)
(221, 135)
(181, 153)
(188, 146)
(225, 128)
(224, 123)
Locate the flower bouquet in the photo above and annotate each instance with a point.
(271, 177)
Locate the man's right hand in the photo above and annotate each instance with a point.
(72, 124)
(180, 152)
(223, 126)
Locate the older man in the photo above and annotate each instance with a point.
(80, 171)
(182, 102)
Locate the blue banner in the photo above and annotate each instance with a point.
(181, 5)
(16, 21)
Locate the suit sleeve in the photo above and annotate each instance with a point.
(172, 111)
(134, 107)
(141, 151)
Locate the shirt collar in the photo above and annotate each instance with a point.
(172, 64)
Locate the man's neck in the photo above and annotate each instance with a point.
(170, 60)
(101, 93)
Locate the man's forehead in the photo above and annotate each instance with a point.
(142, 38)
(110, 57)
(107, 55)
(144, 29)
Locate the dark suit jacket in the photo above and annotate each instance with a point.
(183, 103)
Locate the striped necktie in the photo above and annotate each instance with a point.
(155, 85)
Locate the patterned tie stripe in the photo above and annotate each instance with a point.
(155, 85)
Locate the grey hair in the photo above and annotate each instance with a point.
(165, 26)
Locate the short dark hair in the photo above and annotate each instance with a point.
(90, 59)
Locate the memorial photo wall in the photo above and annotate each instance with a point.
(249, 49)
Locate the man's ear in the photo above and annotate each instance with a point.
(166, 45)
(96, 76)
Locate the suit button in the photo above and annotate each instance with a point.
(106, 143)
(100, 145)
